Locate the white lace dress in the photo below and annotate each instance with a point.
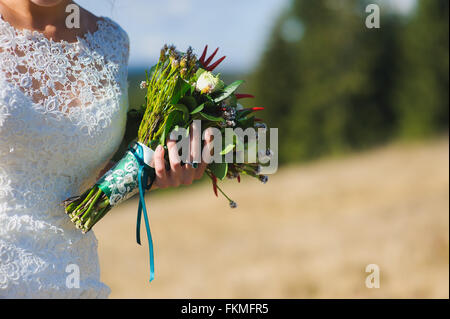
(62, 116)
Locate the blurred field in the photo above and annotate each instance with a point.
(308, 233)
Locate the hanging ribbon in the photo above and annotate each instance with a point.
(146, 176)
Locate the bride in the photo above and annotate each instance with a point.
(63, 105)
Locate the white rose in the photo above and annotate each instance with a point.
(208, 83)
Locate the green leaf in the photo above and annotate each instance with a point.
(219, 169)
(242, 113)
(189, 101)
(184, 109)
(227, 149)
(181, 87)
(198, 108)
(227, 91)
(173, 119)
(245, 122)
(232, 101)
(211, 118)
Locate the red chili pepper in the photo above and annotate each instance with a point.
(257, 119)
(211, 57)
(254, 109)
(212, 67)
(202, 58)
(244, 96)
(214, 184)
(239, 178)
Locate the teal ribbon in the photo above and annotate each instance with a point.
(144, 173)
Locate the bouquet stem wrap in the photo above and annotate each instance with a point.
(132, 172)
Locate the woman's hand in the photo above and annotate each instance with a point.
(180, 174)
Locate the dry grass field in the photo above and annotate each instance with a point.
(308, 233)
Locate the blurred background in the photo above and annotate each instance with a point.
(363, 135)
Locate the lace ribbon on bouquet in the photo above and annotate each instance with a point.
(133, 172)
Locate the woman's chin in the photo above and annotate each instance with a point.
(47, 3)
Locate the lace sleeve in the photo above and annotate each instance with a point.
(124, 42)
(125, 60)
(115, 46)
(124, 64)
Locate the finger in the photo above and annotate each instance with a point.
(200, 170)
(188, 175)
(196, 142)
(194, 150)
(176, 170)
(160, 168)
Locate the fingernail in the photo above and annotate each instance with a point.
(159, 149)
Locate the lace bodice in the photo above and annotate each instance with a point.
(62, 116)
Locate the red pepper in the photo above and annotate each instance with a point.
(254, 109)
(211, 57)
(257, 119)
(239, 178)
(244, 96)
(214, 184)
(212, 67)
(202, 58)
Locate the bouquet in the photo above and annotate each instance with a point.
(181, 89)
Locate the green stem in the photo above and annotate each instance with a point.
(86, 199)
(76, 214)
(87, 213)
(70, 208)
(95, 219)
(221, 191)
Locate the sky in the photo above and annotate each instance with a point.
(402, 6)
(239, 27)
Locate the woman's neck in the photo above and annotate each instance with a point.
(26, 15)
(51, 21)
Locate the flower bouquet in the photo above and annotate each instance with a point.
(181, 89)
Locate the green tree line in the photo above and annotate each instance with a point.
(332, 85)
